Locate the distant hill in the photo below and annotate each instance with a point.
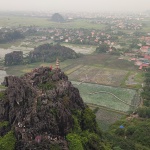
(57, 18)
(49, 53)
(42, 53)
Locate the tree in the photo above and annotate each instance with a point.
(103, 48)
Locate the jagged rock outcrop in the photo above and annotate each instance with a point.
(14, 58)
(38, 106)
(57, 18)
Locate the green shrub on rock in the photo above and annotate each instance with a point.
(8, 141)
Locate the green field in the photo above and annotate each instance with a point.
(14, 21)
(129, 96)
(105, 117)
(105, 76)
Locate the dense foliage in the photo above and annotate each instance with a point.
(10, 36)
(103, 48)
(85, 135)
(8, 141)
(132, 136)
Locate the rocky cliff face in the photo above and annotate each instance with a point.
(38, 107)
(14, 58)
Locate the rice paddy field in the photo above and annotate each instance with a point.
(98, 75)
(14, 21)
(106, 117)
(99, 69)
(100, 95)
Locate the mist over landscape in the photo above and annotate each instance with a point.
(71, 5)
(74, 75)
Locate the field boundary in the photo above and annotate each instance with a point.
(106, 108)
(69, 71)
(81, 82)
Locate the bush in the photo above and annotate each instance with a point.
(47, 86)
(88, 120)
(8, 141)
(4, 124)
(120, 132)
(144, 112)
(74, 142)
(2, 95)
(130, 130)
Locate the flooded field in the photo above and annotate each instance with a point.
(81, 49)
(2, 75)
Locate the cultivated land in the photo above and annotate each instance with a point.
(14, 21)
(120, 99)
(99, 68)
(105, 117)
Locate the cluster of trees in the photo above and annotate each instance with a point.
(133, 136)
(103, 48)
(134, 44)
(10, 36)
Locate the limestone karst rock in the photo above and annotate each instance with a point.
(38, 106)
(57, 18)
(14, 58)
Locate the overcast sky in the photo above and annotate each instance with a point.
(75, 5)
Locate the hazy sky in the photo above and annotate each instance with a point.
(76, 5)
